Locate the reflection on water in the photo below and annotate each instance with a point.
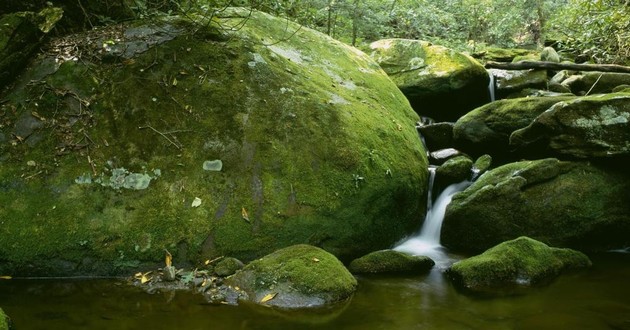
(594, 299)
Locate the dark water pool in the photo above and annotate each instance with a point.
(598, 298)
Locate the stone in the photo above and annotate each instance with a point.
(437, 136)
(295, 125)
(548, 54)
(390, 261)
(565, 204)
(588, 127)
(228, 266)
(596, 82)
(513, 81)
(481, 165)
(298, 276)
(454, 170)
(522, 262)
(489, 127)
(439, 82)
(503, 54)
(439, 157)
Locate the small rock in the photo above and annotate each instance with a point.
(390, 261)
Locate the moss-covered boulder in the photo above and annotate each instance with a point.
(488, 128)
(227, 266)
(454, 170)
(514, 81)
(204, 140)
(5, 321)
(21, 35)
(439, 82)
(564, 204)
(521, 262)
(596, 82)
(503, 54)
(295, 277)
(588, 127)
(390, 261)
(437, 135)
(481, 165)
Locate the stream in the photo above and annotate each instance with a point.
(598, 298)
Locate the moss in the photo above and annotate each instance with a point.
(454, 170)
(228, 266)
(295, 273)
(389, 261)
(288, 154)
(489, 127)
(565, 204)
(520, 262)
(5, 322)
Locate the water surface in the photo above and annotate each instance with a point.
(598, 298)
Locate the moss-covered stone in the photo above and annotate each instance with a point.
(295, 277)
(21, 35)
(509, 82)
(316, 144)
(503, 54)
(481, 165)
(437, 136)
(521, 262)
(588, 127)
(488, 128)
(596, 82)
(5, 321)
(390, 261)
(228, 266)
(564, 204)
(439, 82)
(454, 170)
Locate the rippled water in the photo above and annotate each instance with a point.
(598, 298)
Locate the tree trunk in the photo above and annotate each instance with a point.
(525, 65)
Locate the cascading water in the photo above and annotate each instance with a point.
(427, 241)
(491, 86)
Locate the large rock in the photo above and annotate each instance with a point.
(588, 127)
(522, 262)
(295, 277)
(513, 81)
(488, 128)
(21, 35)
(222, 142)
(565, 204)
(390, 261)
(596, 82)
(439, 82)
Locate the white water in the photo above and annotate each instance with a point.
(491, 86)
(427, 242)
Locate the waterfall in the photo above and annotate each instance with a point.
(491, 86)
(427, 241)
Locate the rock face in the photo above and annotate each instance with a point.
(439, 82)
(588, 127)
(565, 204)
(596, 82)
(390, 261)
(520, 262)
(223, 142)
(295, 277)
(508, 81)
(488, 128)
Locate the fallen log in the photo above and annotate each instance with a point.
(525, 65)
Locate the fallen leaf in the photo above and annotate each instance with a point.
(5, 277)
(315, 259)
(244, 214)
(168, 260)
(174, 81)
(144, 279)
(196, 202)
(137, 275)
(206, 262)
(268, 297)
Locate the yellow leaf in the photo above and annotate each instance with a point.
(315, 259)
(137, 275)
(244, 214)
(268, 297)
(144, 279)
(169, 259)
(206, 262)
(174, 81)
(5, 277)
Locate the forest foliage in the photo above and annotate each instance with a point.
(596, 30)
